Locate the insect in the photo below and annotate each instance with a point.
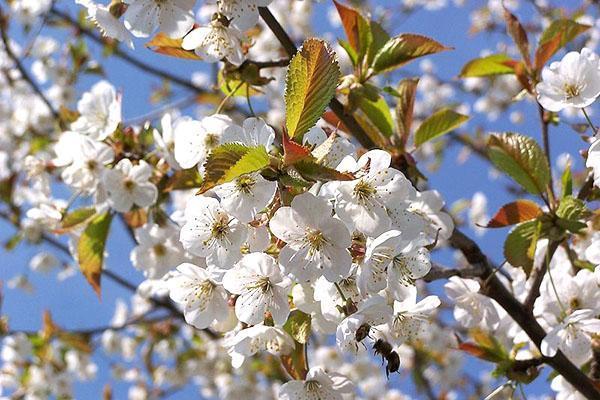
(362, 332)
(387, 354)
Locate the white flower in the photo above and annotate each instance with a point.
(317, 243)
(318, 384)
(250, 341)
(100, 111)
(109, 25)
(212, 233)
(195, 139)
(128, 184)
(253, 132)
(572, 336)
(203, 300)
(328, 150)
(261, 287)
(362, 202)
(243, 14)
(172, 17)
(392, 262)
(593, 161)
(411, 318)
(572, 82)
(158, 250)
(89, 164)
(246, 196)
(472, 308)
(43, 262)
(165, 141)
(216, 42)
(427, 207)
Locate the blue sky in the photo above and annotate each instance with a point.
(74, 305)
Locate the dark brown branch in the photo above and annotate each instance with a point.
(538, 276)
(495, 289)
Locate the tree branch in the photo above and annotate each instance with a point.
(128, 58)
(495, 289)
(24, 74)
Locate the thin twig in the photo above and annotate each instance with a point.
(24, 74)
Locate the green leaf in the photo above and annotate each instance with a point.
(13, 242)
(570, 212)
(441, 122)
(379, 113)
(522, 159)
(407, 93)
(75, 218)
(298, 326)
(492, 65)
(312, 78)
(90, 250)
(518, 244)
(349, 50)
(555, 37)
(567, 181)
(232, 160)
(402, 49)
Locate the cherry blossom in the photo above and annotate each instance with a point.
(250, 341)
(172, 17)
(158, 250)
(318, 384)
(100, 111)
(572, 336)
(212, 233)
(215, 42)
(316, 242)
(572, 82)
(193, 139)
(261, 287)
(129, 185)
(202, 298)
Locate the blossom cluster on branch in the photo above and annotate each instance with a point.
(287, 248)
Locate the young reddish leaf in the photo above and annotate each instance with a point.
(407, 93)
(312, 78)
(351, 23)
(514, 213)
(492, 65)
(295, 363)
(518, 34)
(312, 171)
(90, 250)
(555, 37)
(163, 44)
(333, 120)
(404, 48)
(292, 151)
(136, 218)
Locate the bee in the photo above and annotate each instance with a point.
(387, 354)
(362, 332)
